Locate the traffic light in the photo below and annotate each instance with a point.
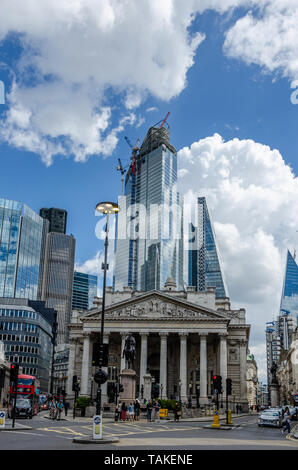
(75, 384)
(229, 386)
(14, 372)
(121, 388)
(217, 384)
(100, 354)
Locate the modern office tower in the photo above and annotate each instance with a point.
(26, 331)
(289, 296)
(84, 291)
(57, 279)
(204, 265)
(149, 245)
(56, 217)
(273, 348)
(21, 238)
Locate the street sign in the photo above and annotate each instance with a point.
(100, 377)
(97, 427)
(2, 419)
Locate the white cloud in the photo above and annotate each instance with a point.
(76, 53)
(268, 38)
(252, 196)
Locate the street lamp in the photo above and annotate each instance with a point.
(106, 208)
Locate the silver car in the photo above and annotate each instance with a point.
(270, 418)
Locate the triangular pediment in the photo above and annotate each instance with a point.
(155, 306)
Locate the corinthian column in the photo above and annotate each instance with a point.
(223, 364)
(163, 364)
(183, 366)
(105, 385)
(143, 359)
(203, 369)
(85, 364)
(71, 366)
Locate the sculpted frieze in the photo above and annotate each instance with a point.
(154, 309)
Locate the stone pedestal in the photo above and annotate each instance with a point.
(147, 386)
(274, 395)
(128, 380)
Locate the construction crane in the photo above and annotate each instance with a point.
(134, 154)
(163, 122)
(123, 171)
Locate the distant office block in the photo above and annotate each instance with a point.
(84, 291)
(56, 217)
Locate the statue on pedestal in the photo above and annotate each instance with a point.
(129, 351)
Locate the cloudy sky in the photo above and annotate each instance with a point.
(79, 75)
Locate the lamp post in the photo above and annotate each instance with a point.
(106, 208)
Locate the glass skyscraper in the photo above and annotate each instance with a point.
(21, 232)
(204, 266)
(149, 245)
(289, 296)
(84, 291)
(57, 279)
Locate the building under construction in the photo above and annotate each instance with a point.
(151, 250)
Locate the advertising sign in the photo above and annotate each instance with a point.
(97, 427)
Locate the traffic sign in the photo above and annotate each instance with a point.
(97, 427)
(100, 377)
(2, 419)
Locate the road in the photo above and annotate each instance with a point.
(166, 435)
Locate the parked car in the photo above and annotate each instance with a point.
(270, 418)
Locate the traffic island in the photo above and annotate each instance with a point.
(90, 440)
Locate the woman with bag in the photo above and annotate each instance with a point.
(286, 421)
(123, 411)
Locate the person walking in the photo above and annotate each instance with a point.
(53, 408)
(157, 408)
(123, 411)
(137, 410)
(131, 412)
(59, 409)
(149, 410)
(176, 411)
(286, 421)
(66, 407)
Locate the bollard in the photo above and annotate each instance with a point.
(230, 417)
(216, 423)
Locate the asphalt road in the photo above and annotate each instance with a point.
(166, 435)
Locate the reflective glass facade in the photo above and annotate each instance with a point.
(21, 231)
(26, 331)
(84, 291)
(204, 266)
(289, 296)
(57, 283)
(152, 248)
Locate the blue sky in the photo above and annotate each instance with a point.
(236, 86)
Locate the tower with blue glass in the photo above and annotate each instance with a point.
(149, 245)
(21, 239)
(204, 265)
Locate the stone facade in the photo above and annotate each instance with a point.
(287, 372)
(182, 339)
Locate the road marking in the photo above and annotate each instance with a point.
(62, 430)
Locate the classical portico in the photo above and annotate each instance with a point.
(182, 339)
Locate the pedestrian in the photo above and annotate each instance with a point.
(66, 407)
(52, 408)
(131, 412)
(137, 410)
(123, 411)
(237, 408)
(286, 421)
(59, 409)
(157, 408)
(149, 410)
(176, 411)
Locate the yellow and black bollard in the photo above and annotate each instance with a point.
(216, 423)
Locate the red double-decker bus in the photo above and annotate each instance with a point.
(28, 388)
